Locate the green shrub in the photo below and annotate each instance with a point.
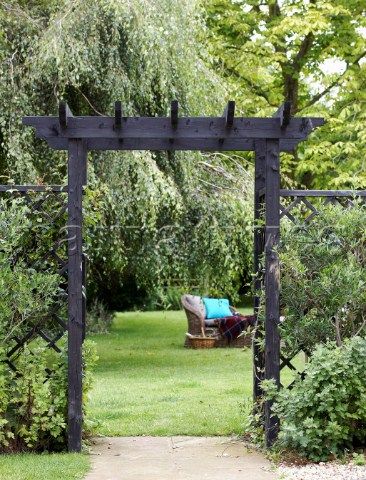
(33, 404)
(165, 299)
(325, 414)
(26, 297)
(323, 277)
(98, 317)
(27, 294)
(33, 398)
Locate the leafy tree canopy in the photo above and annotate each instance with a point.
(311, 53)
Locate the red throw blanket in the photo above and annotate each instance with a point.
(231, 327)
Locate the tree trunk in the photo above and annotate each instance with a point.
(291, 90)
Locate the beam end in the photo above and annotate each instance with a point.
(64, 113)
(174, 108)
(284, 114)
(117, 115)
(229, 113)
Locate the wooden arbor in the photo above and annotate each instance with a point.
(267, 137)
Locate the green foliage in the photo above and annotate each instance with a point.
(27, 294)
(33, 401)
(311, 53)
(147, 215)
(146, 233)
(166, 298)
(33, 409)
(359, 459)
(325, 414)
(98, 318)
(323, 277)
(33, 405)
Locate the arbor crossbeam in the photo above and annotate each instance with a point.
(166, 133)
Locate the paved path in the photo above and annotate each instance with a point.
(176, 458)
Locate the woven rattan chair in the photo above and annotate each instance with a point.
(196, 314)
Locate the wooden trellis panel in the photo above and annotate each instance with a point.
(301, 207)
(48, 205)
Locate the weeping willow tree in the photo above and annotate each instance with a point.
(152, 220)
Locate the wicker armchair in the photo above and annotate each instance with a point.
(196, 314)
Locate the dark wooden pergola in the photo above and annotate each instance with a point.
(267, 137)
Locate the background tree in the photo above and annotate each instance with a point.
(311, 53)
(152, 220)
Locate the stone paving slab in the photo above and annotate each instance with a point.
(176, 458)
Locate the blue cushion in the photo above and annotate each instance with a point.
(217, 307)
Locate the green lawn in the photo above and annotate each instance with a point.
(46, 467)
(146, 382)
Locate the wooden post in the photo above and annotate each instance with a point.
(84, 266)
(272, 279)
(259, 184)
(76, 179)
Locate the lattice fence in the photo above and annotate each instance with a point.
(43, 249)
(301, 207)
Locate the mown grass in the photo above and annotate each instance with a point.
(60, 466)
(147, 383)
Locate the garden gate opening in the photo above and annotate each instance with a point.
(267, 137)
